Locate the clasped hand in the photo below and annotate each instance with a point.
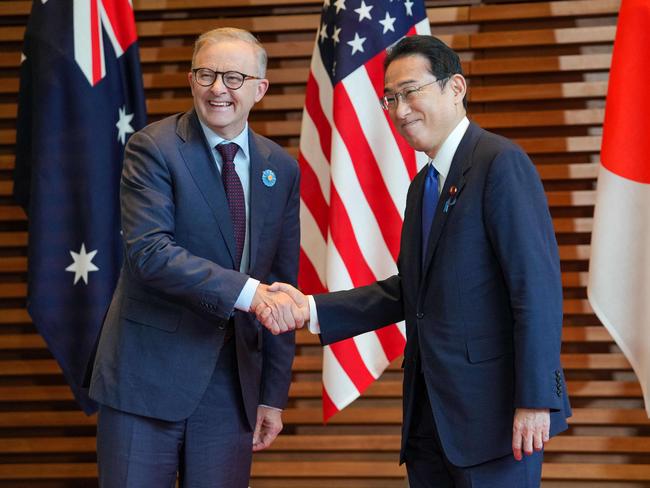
(280, 307)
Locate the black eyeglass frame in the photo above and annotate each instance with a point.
(223, 77)
(402, 95)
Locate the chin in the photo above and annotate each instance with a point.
(419, 145)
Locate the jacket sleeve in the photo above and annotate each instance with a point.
(345, 314)
(521, 233)
(152, 255)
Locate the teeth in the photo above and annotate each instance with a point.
(220, 104)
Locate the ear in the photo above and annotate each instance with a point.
(458, 86)
(190, 80)
(260, 90)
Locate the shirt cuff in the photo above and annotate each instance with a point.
(270, 407)
(314, 326)
(246, 295)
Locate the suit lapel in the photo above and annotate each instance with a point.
(412, 265)
(200, 163)
(460, 165)
(261, 196)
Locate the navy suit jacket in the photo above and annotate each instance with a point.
(177, 289)
(484, 312)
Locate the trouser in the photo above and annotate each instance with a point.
(428, 467)
(211, 448)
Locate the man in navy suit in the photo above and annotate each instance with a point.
(478, 284)
(188, 382)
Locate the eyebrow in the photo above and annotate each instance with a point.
(401, 84)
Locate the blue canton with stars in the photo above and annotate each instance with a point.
(354, 31)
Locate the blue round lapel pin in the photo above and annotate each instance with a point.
(268, 177)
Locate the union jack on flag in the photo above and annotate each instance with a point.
(93, 19)
(356, 171)
(80, 98)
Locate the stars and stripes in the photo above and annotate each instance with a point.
(356, 171)
(81, 95)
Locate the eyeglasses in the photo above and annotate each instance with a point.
(407, 95)
(232, 79)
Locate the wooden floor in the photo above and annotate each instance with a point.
(538, 73)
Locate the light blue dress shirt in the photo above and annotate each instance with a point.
(243, 169)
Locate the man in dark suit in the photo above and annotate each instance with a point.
(479, 286)
(187, 380)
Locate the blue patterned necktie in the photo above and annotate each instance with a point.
(429, 204)
(234, 195)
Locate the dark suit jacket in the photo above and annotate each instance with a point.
(178, 286)
(484, 314)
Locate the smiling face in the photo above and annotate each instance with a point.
(429, 116)
(224, 110)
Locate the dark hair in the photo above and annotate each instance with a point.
(443, 61)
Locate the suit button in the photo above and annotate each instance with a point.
(221, 326)
(419, 315)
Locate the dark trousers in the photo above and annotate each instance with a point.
(211, 448)
(428, 467)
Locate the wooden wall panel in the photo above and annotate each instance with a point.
(538, 73)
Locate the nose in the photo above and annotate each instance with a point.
(402, 109)
(218, 86)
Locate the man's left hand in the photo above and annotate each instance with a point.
(530, 431)
(267, 428)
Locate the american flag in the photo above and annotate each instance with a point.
(356, 171)
(81, 96)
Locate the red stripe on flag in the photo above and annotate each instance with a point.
(392, 341)
(348, 356)
(313, 107)
(94, 42)
(312, 195)
(375, 69)
(120, 15)
(329, 408)
(343, 237)
(367, 170)
(308, 280)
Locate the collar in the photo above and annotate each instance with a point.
(442, 161)
(214, 139)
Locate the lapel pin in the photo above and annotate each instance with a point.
(451, 201)
(268, 177)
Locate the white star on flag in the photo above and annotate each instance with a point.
(124, 125)
(409, 7)
(340, 5)
(335, 36)
(364, 11)
(326, 3)
(22, 58)
(388, 23)
(82, 264)
(357, 43)
(323, 33)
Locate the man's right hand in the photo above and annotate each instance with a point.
(280, 308)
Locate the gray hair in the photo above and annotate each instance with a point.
(229, 33)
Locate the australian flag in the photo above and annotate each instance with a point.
(81, 96)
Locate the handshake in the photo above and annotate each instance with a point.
(280, 307)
